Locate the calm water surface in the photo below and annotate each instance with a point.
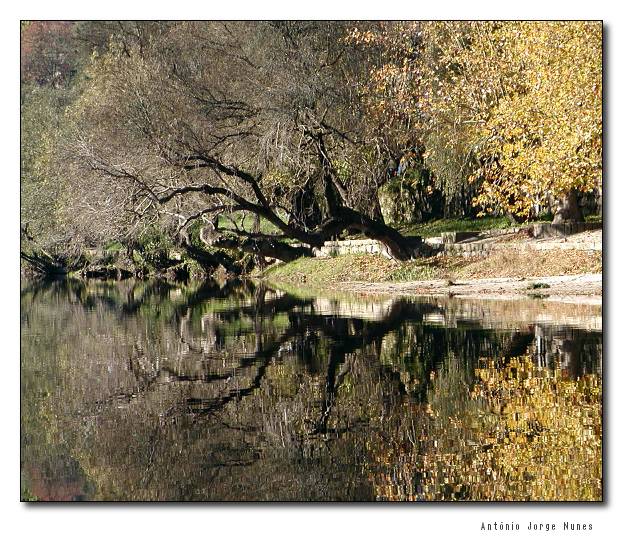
(155, 391)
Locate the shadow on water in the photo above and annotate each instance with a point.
(240, 391)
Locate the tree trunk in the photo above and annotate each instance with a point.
(305, 209)
(269, 248)
(399, 247)
(44, 264)
(568, 209)
(377, 214)
(342, 217)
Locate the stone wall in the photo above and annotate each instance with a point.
(468, 244)
(351, 246)
(469, 250)
(543, 231)
(370, 246)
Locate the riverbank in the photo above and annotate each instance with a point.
(561, 269)
(584, 288)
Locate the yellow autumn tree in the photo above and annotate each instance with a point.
(514, 107)
(542, 141)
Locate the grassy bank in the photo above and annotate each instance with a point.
(373, 268)
(435, 228)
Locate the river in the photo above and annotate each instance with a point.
(240, 391)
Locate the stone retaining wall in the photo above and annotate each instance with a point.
(370, 246)
(469, 250)
(543, 231)
(459, 236)
(351, 246)
(540, 230)
(466, 244)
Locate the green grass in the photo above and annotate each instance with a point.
(325, 271)
(435, 228)
(426, 229)
(350, 267)
(411, 271)
(537, 286)
(443, 225)
(319, 270)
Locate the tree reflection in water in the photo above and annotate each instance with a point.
(156, 391)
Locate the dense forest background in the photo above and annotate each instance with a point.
(230, 142)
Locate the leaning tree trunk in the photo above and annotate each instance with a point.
(268, 248)
(341, 217)
(338, 217)
(568, 209)
(398, 247)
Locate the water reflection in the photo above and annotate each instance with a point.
(156, 391)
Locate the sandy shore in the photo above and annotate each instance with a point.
(585, 288)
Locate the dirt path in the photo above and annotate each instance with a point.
(584, 289)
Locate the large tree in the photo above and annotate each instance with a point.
(542, 141)
(199, 120)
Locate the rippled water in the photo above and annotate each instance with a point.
(156, 391)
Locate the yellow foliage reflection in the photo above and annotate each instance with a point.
(520, 432)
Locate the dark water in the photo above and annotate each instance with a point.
(155, 391)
